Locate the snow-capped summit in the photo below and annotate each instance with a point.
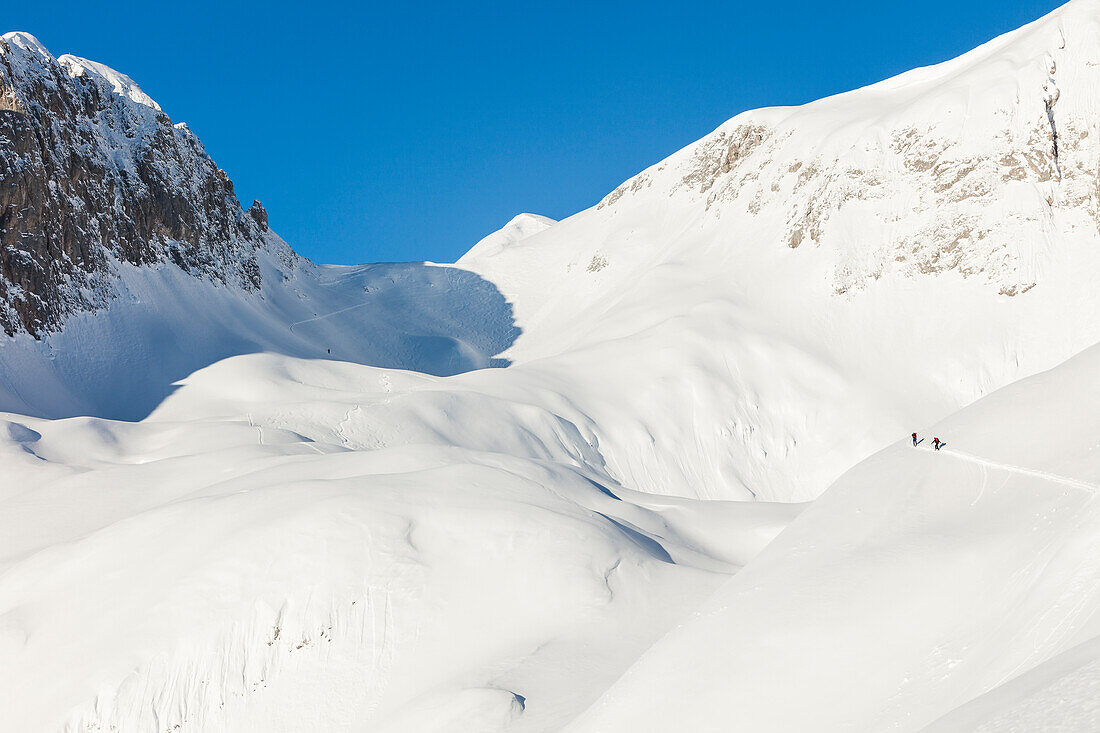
(123, 85)
(520, 227)
(26, 42)
(119, 83)
(814, 262)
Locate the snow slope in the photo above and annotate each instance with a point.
(854, 267)
(122, 361)
(519, 228)
(920, 581)
(1060, 695)
(290, 543)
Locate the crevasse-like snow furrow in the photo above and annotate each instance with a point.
(204, 685)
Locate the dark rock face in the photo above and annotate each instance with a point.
(93, 173)
(258, 214)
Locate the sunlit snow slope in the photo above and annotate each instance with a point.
(292, 544)
(919, 581)
(776, 301)
(309, 506)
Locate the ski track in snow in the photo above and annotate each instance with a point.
(981, 489)
(329, 315)
(1056, 478)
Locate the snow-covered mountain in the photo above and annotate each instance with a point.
(126, 261)
(804, 284)
(918, 582)
(351, 524)
(95, 174)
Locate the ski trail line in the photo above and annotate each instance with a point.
(258, 428)
(985, 482)
(1078, 483)
(326, 315)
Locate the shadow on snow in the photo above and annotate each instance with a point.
(122, 362)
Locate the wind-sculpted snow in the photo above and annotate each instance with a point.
(801, 286)
(917, 583)
(940, 251)
(1059, 696)
(288, 544)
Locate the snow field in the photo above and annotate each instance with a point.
(285, 543)
(917, 583)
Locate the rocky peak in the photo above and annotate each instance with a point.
(93, 173)
(258, 214)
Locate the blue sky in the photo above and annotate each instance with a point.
(407, 131)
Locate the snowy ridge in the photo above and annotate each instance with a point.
(519, 228)
(1053, 477)
(1059, 694)
(978, 165)
(164, 324)
(917, 583)
(864, 263)
(27, 43)
(120, 83)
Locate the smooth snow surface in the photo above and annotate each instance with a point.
(680, 504)
(759, 311)
(1061, 695)
(519, 228)
(120, 363)
(918, 582)
(288, 543)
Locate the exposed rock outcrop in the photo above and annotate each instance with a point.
(94, 173)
